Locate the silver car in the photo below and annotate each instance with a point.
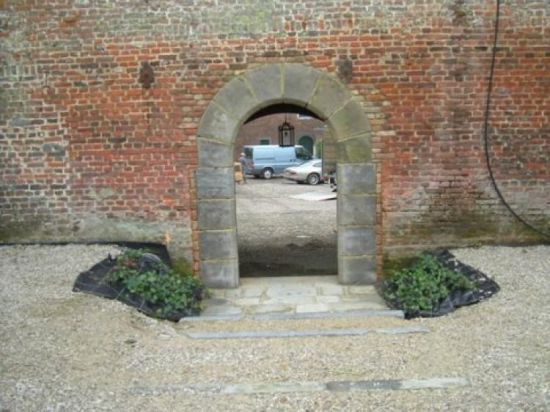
(309, 172)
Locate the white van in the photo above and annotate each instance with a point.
(269, 160)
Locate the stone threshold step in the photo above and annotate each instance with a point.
(295, 387)
(299, 316)
(252, 334)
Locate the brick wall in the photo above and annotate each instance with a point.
(87, 151)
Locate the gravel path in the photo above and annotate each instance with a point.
(65, 351)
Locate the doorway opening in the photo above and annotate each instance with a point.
(265, 90)
(286, 218)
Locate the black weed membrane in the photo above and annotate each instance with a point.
(95, 281)
(485, 287)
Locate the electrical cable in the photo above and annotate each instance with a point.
(486, 128)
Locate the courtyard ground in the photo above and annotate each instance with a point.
(280, 233)
(65, 351)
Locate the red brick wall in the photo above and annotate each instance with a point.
(81, 137)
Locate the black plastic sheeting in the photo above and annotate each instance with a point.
(94, 282)
(486, 287)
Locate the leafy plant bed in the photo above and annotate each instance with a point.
(436, 285)
(146, 281)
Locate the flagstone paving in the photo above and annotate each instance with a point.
(294, 295)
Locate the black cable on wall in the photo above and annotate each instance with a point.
(486, 129)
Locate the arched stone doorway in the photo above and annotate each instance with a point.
(329, 99)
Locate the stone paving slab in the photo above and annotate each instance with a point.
(294, 294)
(255, 334)
(298, 387)
(283, 313)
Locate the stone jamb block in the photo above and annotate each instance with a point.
(356, 210)
(217, 214)
(217, 124)
(220, 273)
(299, 83)
(214, 154)
(357, 270)
(218, 244)
(215, 183)
(237, 99)
(349, 121)
(356, 179)
(356, 240)
(355, 150)
(267, 84)
(329, 96)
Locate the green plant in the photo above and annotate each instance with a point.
(424, 285)
(164, 288)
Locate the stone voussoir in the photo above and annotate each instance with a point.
(217, 124)
(237, 91)
(266, 83)
(329, 96)
(349, 121)
(299, 83)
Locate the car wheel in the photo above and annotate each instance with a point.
(313, 179)
(267, 173)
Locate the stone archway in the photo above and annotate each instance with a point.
(329, 99)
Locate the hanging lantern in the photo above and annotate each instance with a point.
(286, 134)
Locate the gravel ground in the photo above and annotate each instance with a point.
(70, 351)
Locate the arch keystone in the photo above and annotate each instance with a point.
(299, 83)
(266, 83)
